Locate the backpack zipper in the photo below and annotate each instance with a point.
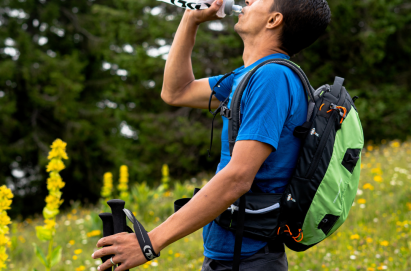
(321, 146)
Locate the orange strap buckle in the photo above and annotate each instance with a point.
(342, 108)
(289, 231)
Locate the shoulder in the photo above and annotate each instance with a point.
(272, 76)
(274, 71)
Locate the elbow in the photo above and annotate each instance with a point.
(240, 183)
(166, 97)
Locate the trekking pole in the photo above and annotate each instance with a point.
(108, 229)
(119, 217)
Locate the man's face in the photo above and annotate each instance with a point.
(254, 18)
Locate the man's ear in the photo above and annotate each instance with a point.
(275, 20)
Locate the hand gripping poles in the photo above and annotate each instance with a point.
(116, 223)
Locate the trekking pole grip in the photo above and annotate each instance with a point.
(108, 229)
(119, 217)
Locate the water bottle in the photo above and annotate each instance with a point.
(230, 8)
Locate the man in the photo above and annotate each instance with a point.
(266, 151)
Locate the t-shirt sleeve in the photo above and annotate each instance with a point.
(224, 90)
(265, 105)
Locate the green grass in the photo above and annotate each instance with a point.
(376, 235)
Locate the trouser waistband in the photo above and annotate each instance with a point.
(272, 247)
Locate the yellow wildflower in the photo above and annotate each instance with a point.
(75, 257)
(78, 251)
(5, 201)
(123, 182)
(369, 240)
(361, 201)
(167, 194)
(5, 204)
(94, 233)
(5, 193)
(4, 229)
(378, 178)
(50, 223)
(107, 185)
(177, 255)
(72, 242)
(57, 153)
(55, 165)
(81, 268)
(370, 147)
(368, 186)
(395, 144)
(4, 240)
(4, 218)
(54, 184)
(55, 181)
(165, 173)
(384, 243)
(355, 237)
(58, 144)
(53, 201)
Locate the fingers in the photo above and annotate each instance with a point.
(209, 14)
(104, 252)
(107, 264)
(215, 7)
(109, 240)
(124, 248)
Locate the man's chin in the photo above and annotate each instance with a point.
(237, 27)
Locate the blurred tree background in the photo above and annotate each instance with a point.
(90, 72)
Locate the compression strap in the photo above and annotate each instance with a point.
(222, 105)
(142, 237)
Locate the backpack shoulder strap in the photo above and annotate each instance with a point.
(234, 122)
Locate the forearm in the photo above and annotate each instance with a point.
(225, 188)
(178, 71)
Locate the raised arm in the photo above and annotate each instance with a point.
(179, 86)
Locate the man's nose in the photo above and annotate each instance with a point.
(249, 2)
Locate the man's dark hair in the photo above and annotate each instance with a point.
(304, 21)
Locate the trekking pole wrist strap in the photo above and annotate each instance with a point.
(142, 237)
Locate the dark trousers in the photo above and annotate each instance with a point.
(272, 258)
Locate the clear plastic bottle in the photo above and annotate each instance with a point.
(230, 8)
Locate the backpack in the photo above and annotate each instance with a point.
(321, 191)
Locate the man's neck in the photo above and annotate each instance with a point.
(257, 48)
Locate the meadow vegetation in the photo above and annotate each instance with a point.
(376, 235)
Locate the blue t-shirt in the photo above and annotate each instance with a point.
(272, 105)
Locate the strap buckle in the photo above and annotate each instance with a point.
(341, 110)
(333, 106)
(226, 112)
